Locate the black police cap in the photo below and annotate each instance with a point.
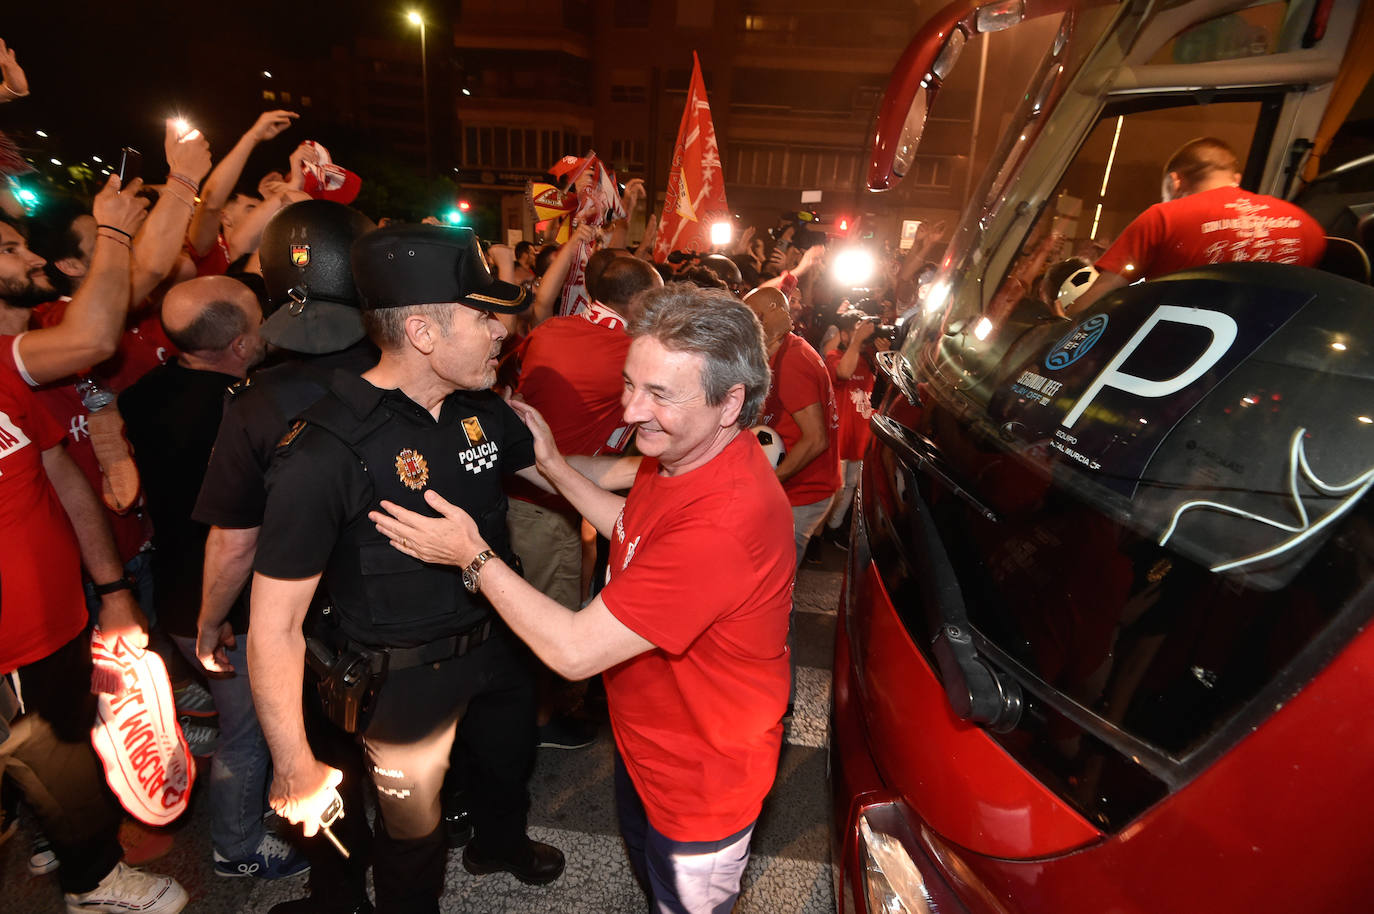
(404, 265)
(305, 268)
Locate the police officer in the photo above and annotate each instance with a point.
(318, 324)
(433, 655)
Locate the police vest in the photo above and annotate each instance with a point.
(385, 598)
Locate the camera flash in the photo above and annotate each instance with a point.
(721, 232)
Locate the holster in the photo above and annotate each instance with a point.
(348, 679)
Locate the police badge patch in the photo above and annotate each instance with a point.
(473, 429)
(300, 255)
(412, 469)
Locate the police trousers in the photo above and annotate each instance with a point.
(486, 699)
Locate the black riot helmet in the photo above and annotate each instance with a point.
(726, 269)
(305, 265)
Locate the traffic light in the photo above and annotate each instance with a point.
(464, 206)
(454, 217)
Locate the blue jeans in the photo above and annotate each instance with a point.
(681, 877)
(238, 774)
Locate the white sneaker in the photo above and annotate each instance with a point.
(126, 890)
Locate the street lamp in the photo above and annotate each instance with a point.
(416, 19)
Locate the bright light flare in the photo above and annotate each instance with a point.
(721, 233)
(982, 329)
(855, 267)
(414, 18)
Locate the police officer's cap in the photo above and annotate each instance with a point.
(305, 266)
(406, 265)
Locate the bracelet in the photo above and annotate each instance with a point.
(123, 583)
(113, 229)
(116, 239)
(191, 203)
(190, 185)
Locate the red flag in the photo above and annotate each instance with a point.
(696, 183)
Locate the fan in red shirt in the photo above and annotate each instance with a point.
(571, 370)
(801, 408)
(51, 524)
(850, 365)
(691, 628)
(1205, 218)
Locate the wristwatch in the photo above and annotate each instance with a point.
(470, 574)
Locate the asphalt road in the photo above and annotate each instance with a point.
(572, 808)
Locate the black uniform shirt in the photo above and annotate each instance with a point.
(321, 486)
(255, 419)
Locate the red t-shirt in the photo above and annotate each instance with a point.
(42, 606)
(1222, 225)
(799, 380)
(572, 371)
(214, 262)
(851, 397)
(142, 347)
(701, 565)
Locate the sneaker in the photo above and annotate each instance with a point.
(125, 890)
(273, 859)
(203, 738)
(42, 859)
(194, 699)
(566, 733)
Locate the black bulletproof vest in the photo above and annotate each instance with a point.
(383, 597)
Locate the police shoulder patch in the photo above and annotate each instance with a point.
(290, 436)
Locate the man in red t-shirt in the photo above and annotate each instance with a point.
(571, 370)
(801, 408)
(51, 524)
(691, 628)
(1205, 218)
(851, 371)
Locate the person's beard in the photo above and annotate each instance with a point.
(27, 294)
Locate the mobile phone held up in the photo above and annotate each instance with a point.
(130, 165)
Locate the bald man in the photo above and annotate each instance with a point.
(172, 416)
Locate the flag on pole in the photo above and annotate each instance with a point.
(696, 184)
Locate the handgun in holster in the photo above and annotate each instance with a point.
(348, 679)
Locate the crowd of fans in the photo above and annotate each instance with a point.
(125, 319)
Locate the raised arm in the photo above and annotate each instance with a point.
(13, 83)
(90, 328)
(158, 245)
(219, 187)
(551, 284)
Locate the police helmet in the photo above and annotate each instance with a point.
(305, 266)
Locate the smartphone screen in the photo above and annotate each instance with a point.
(130, 165)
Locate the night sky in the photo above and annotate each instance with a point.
(104, 75)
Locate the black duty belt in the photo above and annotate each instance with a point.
(402, 658)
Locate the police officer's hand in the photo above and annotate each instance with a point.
(212, 644)
(301, 793)
(450, 539)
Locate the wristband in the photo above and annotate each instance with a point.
(116, 239)
(13, 94)
(180, 178)
(113, 229)
(123, 583)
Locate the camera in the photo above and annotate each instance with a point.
(881, 331)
